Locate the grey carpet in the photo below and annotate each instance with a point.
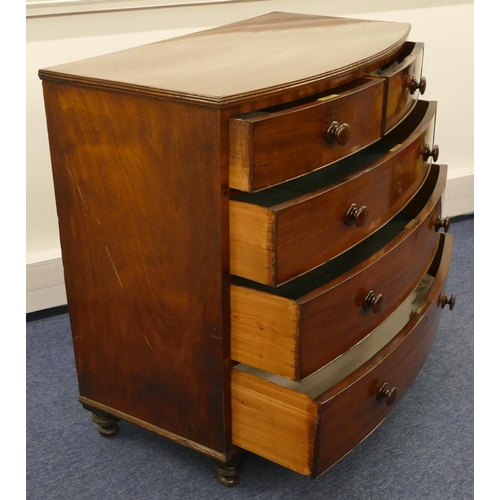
(423, 450)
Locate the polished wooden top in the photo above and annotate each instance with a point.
(241, 60)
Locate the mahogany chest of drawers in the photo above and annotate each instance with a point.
(250, 223)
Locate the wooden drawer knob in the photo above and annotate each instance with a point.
(415, 85)
(385, 392)
(337, 133)
(356, 215)
(434, 152)
(443, 301)
(443, 223)
(373, 301)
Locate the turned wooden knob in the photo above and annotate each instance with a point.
(415, 85)
(356, 215)
(428, 152)
(444, 301)
(443, 223)
(338, 133)
(373, 301)
(385, 392)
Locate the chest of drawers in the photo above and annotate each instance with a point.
(250, 223)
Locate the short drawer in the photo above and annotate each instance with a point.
(286, 231)
(309, 426)
(404, 83)
(295, 329)
(274, 145)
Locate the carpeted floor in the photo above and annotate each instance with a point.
(424, 449)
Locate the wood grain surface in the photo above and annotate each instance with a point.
(273, 422)
(143, 264)
(225, 64)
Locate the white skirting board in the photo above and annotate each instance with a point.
(45, 278)
(459, 194)
(45, 282)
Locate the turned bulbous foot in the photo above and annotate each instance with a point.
(228, 474)
(107, 425)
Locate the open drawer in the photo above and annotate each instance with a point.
(404, 83)
(285, 231)
(274, 145)
(309, 426)
(297, 328)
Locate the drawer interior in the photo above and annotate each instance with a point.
(304, 101)
(395, 64)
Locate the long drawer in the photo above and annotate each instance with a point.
(311, 425)
(287, 230)
(295, 329)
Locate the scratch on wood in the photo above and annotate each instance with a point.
(114, 267)
(69, 172)
(78, 187)
(218, 338)
(147, 342)
(83, 199)
(162, 320)
(167, 322)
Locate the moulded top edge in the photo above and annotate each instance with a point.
(276, 51)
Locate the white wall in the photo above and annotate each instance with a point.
(446, 28)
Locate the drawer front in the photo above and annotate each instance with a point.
(295, 335)
(268, 148)
(273, 244)
(290, 425)
(352, 409)
(404, 84)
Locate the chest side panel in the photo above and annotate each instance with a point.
(138, 188)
